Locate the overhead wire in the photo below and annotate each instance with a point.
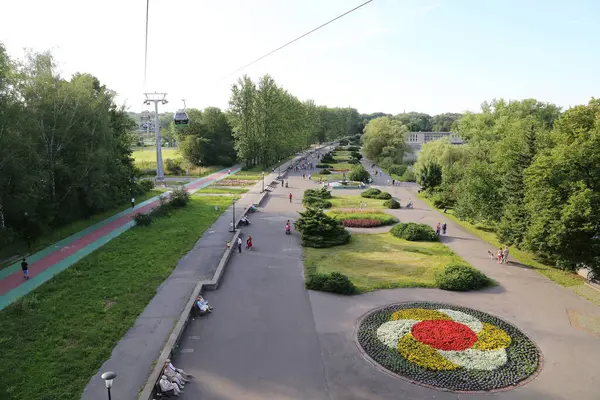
(296, 39)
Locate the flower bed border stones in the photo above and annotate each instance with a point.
(524, 358)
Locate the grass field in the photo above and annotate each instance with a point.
(55, 338)
(354, 202)
(564, 278)
(145, 157)
(220, 190)
(381, 261)
(328, 177)
(59, 234)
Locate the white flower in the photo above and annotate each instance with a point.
(465, 319)
(390, 332)
(487, 360)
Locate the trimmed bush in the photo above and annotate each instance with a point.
(415, 232)
(343, 142)
(384, 196)
(323, 166)
(173, 167)
(325, 172)
(391, 203)
(356, 155)
(353, 148)
(142, 219)
(408, 176)
(358, 173)
(179, 197)
(328, 159)
(333, 283)
(397, 169)
(461, 277)
(353, 161)
(371, 193)
(319, 230)
(147, 185)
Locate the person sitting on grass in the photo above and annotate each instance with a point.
(167, 387)
(174, 376)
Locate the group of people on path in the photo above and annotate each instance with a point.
(502, 255)
(441, 228)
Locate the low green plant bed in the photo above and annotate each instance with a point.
(378, 218)
(381, 261)
(56, 337)
(461, 277)
(415, 232)
(333, 283)
(353, 202)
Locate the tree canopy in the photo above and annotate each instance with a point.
(64, 147)
(384, 141)
(270, 124)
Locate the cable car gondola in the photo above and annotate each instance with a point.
(181, 118)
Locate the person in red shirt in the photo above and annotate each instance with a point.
(290, 197)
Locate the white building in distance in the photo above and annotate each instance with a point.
(416, 139)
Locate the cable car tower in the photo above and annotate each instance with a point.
(157, 98)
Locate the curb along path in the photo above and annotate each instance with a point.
(54, 259)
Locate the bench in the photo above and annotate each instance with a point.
(158, 391)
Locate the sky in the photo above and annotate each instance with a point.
(390, 56)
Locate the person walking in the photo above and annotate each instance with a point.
(437, 229)
(444, 226)
(132, 202)
(505, 255)
(25, 268)
(239, 244)
(249, 242)
(290, 197)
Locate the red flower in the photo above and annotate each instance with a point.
(444, 335)
(361, 223)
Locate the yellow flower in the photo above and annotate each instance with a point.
(420, 314)
(491, 338)
(423, 355)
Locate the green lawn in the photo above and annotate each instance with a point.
(61, 233)
(342, 165)
(354, 202)
(248, 175)
(564, 278)
(55, 338)
(381, 261)
(219, 190)
(328, 177)
(235, 181)
(146, 157)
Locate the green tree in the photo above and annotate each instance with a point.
(385, 139)
(430, 176)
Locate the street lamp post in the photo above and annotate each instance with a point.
(157, 98)
(108, 379)
(263, 182)
(233, 218)
(279, 168)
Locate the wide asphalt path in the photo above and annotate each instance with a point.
(260, 342)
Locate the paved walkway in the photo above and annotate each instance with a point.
(261, 342)
(54, 259)
(134, 355)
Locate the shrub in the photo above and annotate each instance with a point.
(142, 219)
(353, 148)
(408, 176)
(147, 185)
(322, 193)
(323, 166)
(356, 155)
(397, 169)
(461, 277)
(179, 197)
(148, 171)
(358, 173)
(173, 167)
(414, 232)
(328, 159)
(361, 223)
(384, 196)
(353, 161)
(333, 283)
(325, 172)
(392, 203)
(320, 230)
(371, 193)
(343, 142)
(381, 217)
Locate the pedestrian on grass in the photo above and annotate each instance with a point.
(25, 268)
(132, 202)
(290, 197)
(239, 243)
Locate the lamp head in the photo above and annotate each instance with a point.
(108, 378)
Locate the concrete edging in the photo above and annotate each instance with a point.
(148, 392)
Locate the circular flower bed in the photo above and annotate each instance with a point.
(449, 347)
